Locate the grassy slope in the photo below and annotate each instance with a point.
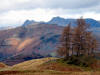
(45, 66)
(2, 65)
(32, 64)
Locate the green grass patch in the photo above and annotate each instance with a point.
(85, 63)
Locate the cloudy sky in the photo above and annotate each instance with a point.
(15, 12)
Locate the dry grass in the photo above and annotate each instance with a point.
(30, 65)
(2, 65)
(13, 41)
(47, 72)
(25, 43)
(20, 44)
(43, 67)
(60, 67)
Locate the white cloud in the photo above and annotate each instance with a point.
(92, 15)
(15, 12)
(18, 17)
(53, 4)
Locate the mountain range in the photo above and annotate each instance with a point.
(63, 22)
(28, 42)
(36, 39)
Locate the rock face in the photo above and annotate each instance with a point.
(28, 42)
(63, 22)
(28, 22)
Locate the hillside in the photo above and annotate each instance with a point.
(28, 42)
(45, 66)
(31, 64)
(2, 65)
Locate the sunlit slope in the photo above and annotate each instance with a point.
(45, 66)
(32, 64)
(29, 41)
(2, 65)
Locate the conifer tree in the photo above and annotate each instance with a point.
(79, 36)
(64, 48)
(78, 40)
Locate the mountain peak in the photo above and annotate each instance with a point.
(28, 22)
(63, 22)
(57, 18)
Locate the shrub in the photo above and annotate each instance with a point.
(83, 61)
